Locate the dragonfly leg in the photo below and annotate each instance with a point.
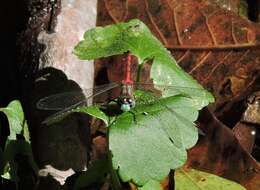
(134, 116)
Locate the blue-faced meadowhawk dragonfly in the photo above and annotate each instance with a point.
(67, 101)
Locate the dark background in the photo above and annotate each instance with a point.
(13, 19)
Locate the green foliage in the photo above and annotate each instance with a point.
(151, 185)
(192, 179)
(13, 144)
(143, 97)
(146, 146)
(152, 138)
(95, 112)
(134, 36)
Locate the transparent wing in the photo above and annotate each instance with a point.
(67, 101)
(61, 101)
(170, 90)
(200, 96)
(70, 100)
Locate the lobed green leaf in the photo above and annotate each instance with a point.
(14, 146)
(152, 139)
(95, 112)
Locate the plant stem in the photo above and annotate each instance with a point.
(139, 72)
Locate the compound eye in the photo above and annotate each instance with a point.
(132, 103)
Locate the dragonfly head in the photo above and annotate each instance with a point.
(126, 103)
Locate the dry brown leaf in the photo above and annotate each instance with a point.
(217, 47)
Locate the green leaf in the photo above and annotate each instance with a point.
(134, 36)
(144, 97)
(152, 139)
(14, 146)
(192, 179)
(10, 172)
(93, 111)
(15, 118)
(151, 185)
(26, 133)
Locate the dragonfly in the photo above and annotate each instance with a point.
(67, 101)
